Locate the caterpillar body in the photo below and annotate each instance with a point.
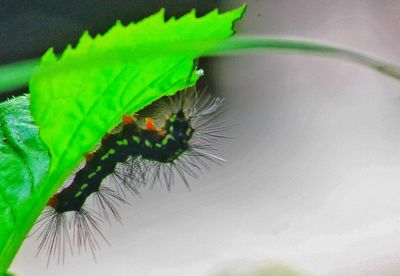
(164, 145)
(136, 152)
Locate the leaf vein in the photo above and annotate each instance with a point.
(93, 105)
(18, 150)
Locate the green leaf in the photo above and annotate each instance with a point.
(120, 72)
(77, 97)
(24, 164)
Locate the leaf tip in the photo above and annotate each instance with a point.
(118, 23)
(241, 10)
(160, 15)
(49, 56)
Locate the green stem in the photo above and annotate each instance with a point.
(16, 75)
(241, 44)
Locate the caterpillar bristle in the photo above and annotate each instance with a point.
(175, 137)
(125, 179)
(52, 231)
(86, 230)
(106, 201)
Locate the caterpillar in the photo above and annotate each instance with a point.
(174, 135)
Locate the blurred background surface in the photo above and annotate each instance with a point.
(312, 178)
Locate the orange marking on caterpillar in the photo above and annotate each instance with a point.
(105, 137)
(88, 157)
(161, 132)
(128, 119)
(150, 124)
(53, 201)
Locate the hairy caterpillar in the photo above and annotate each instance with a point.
(172, 136)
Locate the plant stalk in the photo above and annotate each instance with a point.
(16, 75)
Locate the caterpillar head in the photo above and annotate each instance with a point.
(179, 126)
(168, 143)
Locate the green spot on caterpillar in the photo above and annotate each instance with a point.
(123, 142)
(104, 157)
(78, 194)
(136, 139)
(93, 174)
(98, 168)
(84, 186)
(172, 119)
(165, 140)
(148, 144)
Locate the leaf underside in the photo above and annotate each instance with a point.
(24, 163)
(77, 97)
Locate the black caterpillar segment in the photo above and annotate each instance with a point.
(88, 179)
(172, 136)
(166, 147)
